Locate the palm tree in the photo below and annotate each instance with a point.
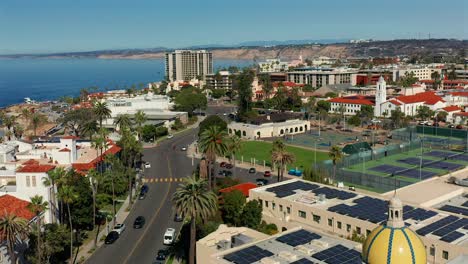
(212, 143)
(140, 119)
(89, 128)
(55, 176)
(192, 199)
(8, 134)
(12, 229)
(102, 111)
(38, 206)
(98, 144)
(67, 195)
(9, 121)
(282, 158)
(123, 122)
(36, 121)
(335, 155)
(233, 146)
(26, 113)
(18, 131)
(94, 179)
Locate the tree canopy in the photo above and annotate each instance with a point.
(210, 121)
(190, 99)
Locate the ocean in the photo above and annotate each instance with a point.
(49, 79)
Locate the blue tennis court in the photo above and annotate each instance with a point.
(449, 155)
(432, 164)
(414, 173)
(387, 168)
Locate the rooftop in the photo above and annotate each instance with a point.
(356, 99)
(12, 205)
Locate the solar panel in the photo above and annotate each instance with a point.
(451, 227)
(436, 225)
(290, 188)
(303, 261)
(455, 209)
(297, 238)
(338, 254)
(452, 236)
(248, 255)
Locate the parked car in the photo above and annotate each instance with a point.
(262, 182)
(143, 192)
(252, 170)
(228, 166)
(139, 222)
(119, 228)
(144, 188)
(184, 148)
(178, 218)
(111, 237)
(169, 236)
(451, 126)
(295, 172)
(162, 255)
(222, 164)
(267, 174)
(170, 136)
(147, 165)
(459, 127)
(225, 173)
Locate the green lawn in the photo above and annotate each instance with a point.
(261, 151)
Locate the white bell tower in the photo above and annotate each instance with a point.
(380, 96)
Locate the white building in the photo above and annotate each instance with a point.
(380, 96)
(349, 105)
(268, 129)
(450, 110)
(273, 65)
(186, 65)
(420, 72)
(458, 98)
(409, 104)
(221, 81)
(321, 77)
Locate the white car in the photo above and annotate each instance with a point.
(183, 148)
(170, 136)
(169, 236)
(119, 228)
(147, 165)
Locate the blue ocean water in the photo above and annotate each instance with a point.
(49, 79)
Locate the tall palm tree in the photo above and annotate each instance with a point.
(335, 155)
(18, 131)
(123, 122)
(67, 195)
(102, 111)
(38, 206)
(192, 199)
(26, 113)
(212, 143)
(233, 146)
(94, 178)
(53, 178)
(89, 128)
(36, 121)
(140, 119)
(12, 229)
(282, 158)
(99, 144)
(9, 121)
(8, 134)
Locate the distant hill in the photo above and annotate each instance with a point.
(286, 50)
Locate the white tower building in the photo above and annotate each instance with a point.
(380, 96)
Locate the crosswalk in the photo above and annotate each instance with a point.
(161, 180)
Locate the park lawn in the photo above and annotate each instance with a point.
(261, 151)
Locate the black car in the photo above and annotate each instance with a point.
(144, 188)
(139, 222)
(162, 254)
(143, 192)
(225, 173)
(252, 170)
(178, 217)
(262, 182)
(111, 237)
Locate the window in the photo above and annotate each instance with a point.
(260, 201)
(288, 210)
(28, 181)
(358, 230)
(432, 251)
(330, 222)
(445, 254)
(302, 214)
(281, 208)
(266, 203)
(273, 206)
(367, 232)
(348, 227)
(33, 181)
(338, 224)
(316, 218)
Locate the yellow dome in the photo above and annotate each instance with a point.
(393, 245)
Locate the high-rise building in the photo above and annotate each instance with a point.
(185, 65)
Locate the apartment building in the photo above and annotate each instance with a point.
(318, 77)
(221, 80)
(422, 73)
(186, 65)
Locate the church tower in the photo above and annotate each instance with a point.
(380, 96)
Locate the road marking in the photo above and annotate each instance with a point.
(154, 216)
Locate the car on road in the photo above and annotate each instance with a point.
(111, 237)
(225, 173)
(144, 190)
(222, 164)
(267, 174)
(147, 165)
(139, 222)
(451, 126)
(184, 148)
(252, 170)
(162, 255)
(170, 136)
(178, 217)
(261, 182)
(228, 166)
(169, 236)
(119, 228)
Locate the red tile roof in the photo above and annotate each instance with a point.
(452, 108)
(114, 149)
(426, 97)
(395, 102)
(12, 205)
(70, 137)
(31, 162)
(463, 94)
(36, 168)
(243, 187)
(65, 150)
(461, 114)
(360, 100)
(287, 84)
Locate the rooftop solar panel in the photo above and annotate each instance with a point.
(452, 236)
(455, 209)
(297, 238)
(436, 225)
(338, 254)
(248, 255)
(290, 188)
(451, 227)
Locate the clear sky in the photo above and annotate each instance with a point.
(79, 25)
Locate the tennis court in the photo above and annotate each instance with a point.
(432, 163)
(448, 155)
(402, 171)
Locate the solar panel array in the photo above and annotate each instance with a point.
(436, 225)
(451, 227)
(452, 236)
(338, 254)
(303, 261)
(418, 214)
(297, 238)
(455, 209)
(332, 193)
(285, 190)
(248, 255)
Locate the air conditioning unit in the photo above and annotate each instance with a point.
(223, 245)
(269, 260)
(288, 256)
(305, 250)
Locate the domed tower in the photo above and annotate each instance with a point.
(393, 242)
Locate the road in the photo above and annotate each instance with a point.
(169, 164)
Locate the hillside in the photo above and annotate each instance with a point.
(338, 50)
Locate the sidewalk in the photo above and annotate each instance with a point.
(122, 214)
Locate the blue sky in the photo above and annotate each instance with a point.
(79, 25)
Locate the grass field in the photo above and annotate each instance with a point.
(261, 151)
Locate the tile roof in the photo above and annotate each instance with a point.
(82, 167)
(461, 114)
(360, 100)
(65, 150)
(395, 102)
(451, 108)
(70, 137)
(31, 162)
(287, 84)
(426, 97)
(243, 187)
(463, 94)
(36, 168)
(12, 205)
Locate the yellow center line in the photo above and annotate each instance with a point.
(154, 216)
